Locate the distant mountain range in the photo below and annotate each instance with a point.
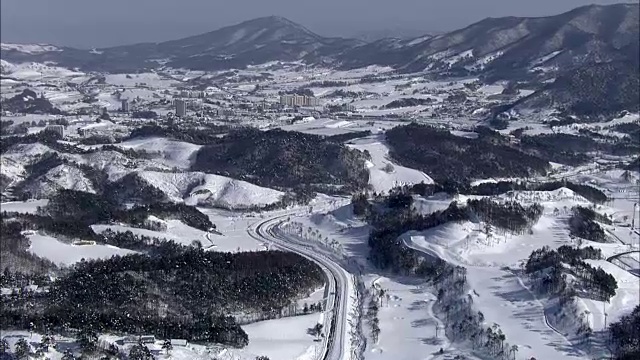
(572, 46)
(500, 46)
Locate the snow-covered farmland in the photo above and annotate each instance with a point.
(68, 254)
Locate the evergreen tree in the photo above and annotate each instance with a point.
(88, 339)
(4, 346)
(22, 349)
(166, 346)
(140, 352)
(67, 355)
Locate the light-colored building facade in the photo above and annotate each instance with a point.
(299, 100)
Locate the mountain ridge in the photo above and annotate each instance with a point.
(500, 47)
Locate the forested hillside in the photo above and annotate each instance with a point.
(284, 159)
(178, 292)
(446, 157)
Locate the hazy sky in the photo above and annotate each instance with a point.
(97, 23)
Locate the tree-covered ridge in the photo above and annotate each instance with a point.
(199, 136)
(584, 224)
(509, 216)
(547, 268)
(625, 336)
(283, 159)
(593, 90)
(392, 216)
(178, 292)
(445, 156)
(503, 187)
(88, 209)
(574, 149)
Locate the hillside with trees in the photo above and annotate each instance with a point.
(179, 292)
(625, 336)
(281, 159)
(548, 270)
(584, 224)
(445, 156)
(393, 215)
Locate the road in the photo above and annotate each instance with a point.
(335, 341)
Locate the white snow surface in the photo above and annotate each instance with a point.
(212, 190)
(29, 48)
(23, 207)
(67, 254)
(381, 180)
(174, 153)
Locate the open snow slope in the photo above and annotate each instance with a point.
(231, 226)
(173, 153)
(285, 339)
(67, 254)
(60, 177)
(197, 188)
(407, 323)
(24, 207)
(384, 174)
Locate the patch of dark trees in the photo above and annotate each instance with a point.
(445, 156)
(14, 252)
(584, 224)
(634, 165)
(547, 268)
(47, 137)
(144, 114)
(70, 214)
(631, 129)
(178, 292)
(572, 149)
(282, 159)
(597, 89)
(87, 208)
(198, 136)
(502, 187)
(406, 102)
(342, 138)
(28, 102)
(625, 336)
(508, 215)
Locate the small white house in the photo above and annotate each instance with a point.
(178, 342)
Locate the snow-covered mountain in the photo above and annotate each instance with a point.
(501, 46)
(251, 42)
(512, 44)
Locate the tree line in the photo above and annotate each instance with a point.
(547, 268)
(176, 292)
(282, 159)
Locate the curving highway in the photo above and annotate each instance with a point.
(335, 342)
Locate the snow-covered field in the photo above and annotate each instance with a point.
(282, 339)
(285, 339)
(62, 253)
(25, 207)
(384, 174)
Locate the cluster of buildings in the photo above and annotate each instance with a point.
(299, 100)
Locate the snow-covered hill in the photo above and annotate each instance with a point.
(60, 177)
(173, 153)
(197, 188)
